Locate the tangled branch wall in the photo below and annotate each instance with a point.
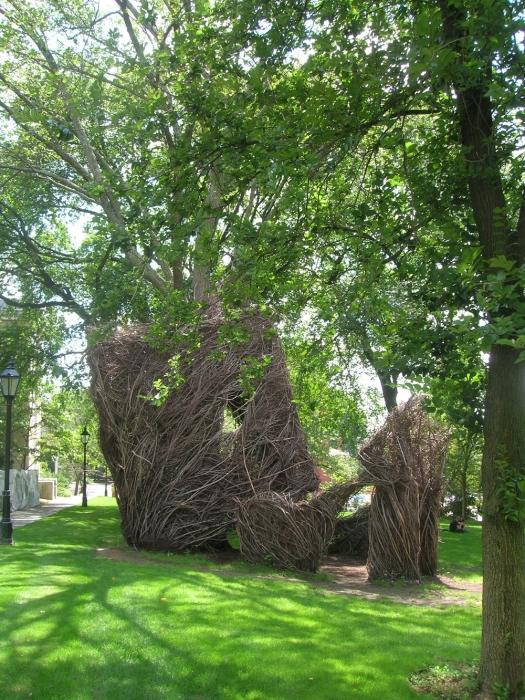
(404, 460)
(273, 529)
(179, 475)
(183, 481)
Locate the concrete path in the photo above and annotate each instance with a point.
(19, 518)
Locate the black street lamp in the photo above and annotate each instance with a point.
(84, 435)
(106, 486)
(9, 380)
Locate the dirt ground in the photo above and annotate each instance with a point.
(348, 577)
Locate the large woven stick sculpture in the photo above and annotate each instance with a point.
(178, 474)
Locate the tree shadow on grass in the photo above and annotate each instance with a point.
(99, 629)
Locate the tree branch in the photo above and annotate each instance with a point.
(76, 308)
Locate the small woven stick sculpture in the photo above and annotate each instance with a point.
(275, 530)
(404, 460)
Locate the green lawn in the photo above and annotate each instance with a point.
(77, 627)
(460, 554)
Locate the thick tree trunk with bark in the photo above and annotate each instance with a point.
(203, 262)
(503, 637)
(503, 633)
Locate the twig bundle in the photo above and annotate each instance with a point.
(179, 475)
(404, 460)
(351, 533)
(273, 529)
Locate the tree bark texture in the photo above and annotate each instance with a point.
(202, 263)
(503, 632)
(389, 389)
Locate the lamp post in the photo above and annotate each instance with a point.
(84, 435)
(106, 486)
(9, 380)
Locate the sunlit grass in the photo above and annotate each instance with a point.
(78, 627)
(460, 554)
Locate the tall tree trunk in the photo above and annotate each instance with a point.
(389, 389)
(77, 483)
(464, 490)
(469, 446)
(203, 252)
(503, 632)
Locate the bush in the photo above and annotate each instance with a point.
(454, 504)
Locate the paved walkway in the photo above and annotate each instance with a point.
(19, 518)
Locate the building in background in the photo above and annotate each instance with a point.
(26, 484)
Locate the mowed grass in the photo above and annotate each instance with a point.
(78, 627)
(460, 554)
